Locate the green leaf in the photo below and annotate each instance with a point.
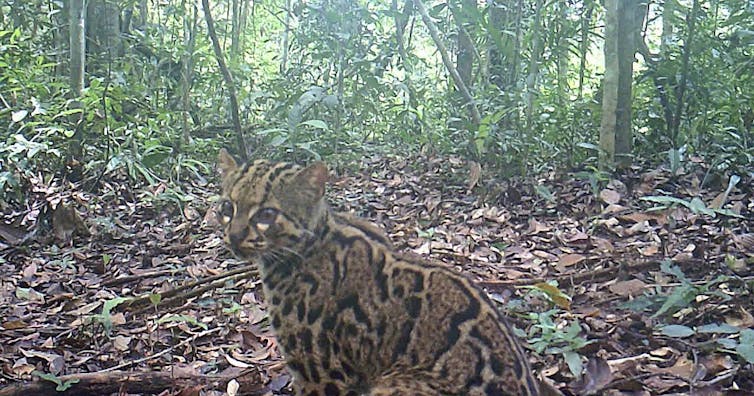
(278, 140)
(697, 206)
(589, 146)
(61, 386)
(667, 267)
(68, 112)
(662, 199)
(573, 360)
(317, 124)
(48, 377)
(674, 157)
(155, 298)
(727, 343)
(182, 318)
(717, 328)
(680, 298)
(19, 115)
(746, 351)
(747, 337)
(544, 192)
(112, 303)
(677, 331)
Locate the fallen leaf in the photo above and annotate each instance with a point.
(14, 325)
(570, 259)
(424, 249)
(236, 363)
(597, 375)
(475, 172)
(536, 227)
(609, 196)
(232, 387)
(122, 343)
(629, 288)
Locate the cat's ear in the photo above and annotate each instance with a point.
(226, 163)
(313, 179)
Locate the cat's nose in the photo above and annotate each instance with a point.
(237, 237)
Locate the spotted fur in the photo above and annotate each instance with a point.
(352, 316)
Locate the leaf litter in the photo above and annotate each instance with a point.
(654, 270)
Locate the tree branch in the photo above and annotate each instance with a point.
(228, 80)
(475, 116)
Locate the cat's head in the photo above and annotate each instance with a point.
(270, 208)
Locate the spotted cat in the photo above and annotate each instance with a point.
(352, 316)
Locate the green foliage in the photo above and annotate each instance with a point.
(105, 318)
(555, 338)
(724, 337)
(548, 337)
(681, 297)
(182, 319)
(696, 205)
(157, 110)
(61, 386)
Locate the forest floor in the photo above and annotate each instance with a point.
(134, 293)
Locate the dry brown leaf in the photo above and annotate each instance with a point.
(629, 288)
(475, 172)
(745, 320)
(232, 388)
(718, 362)
(536, 227)
(570, 259)
(544, 255)
(235, 362)
(609, 196)
(596, 377)
(614, 208)
(683, 368)
(744, 242)
(650, 250)
(29, 271)
(627, 363)
(637, 228)
(664, 352)
(719, 200)
(122, 343)
(639, 217)
(22, 368)
(423, 249)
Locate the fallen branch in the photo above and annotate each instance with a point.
(603, 274)
(122, 382)
(171, 294)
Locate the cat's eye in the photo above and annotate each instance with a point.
(265, 216)
(226, 211)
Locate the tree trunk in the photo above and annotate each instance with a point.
(623, 20)
(536, 52)
(681, 91)
(187, 61)
(234, 111)
(77, 35)
(286, 34)
(465, 45)
(401, 21)
(103, 28)
(561, 49)
(476, 118)
(586, 19)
